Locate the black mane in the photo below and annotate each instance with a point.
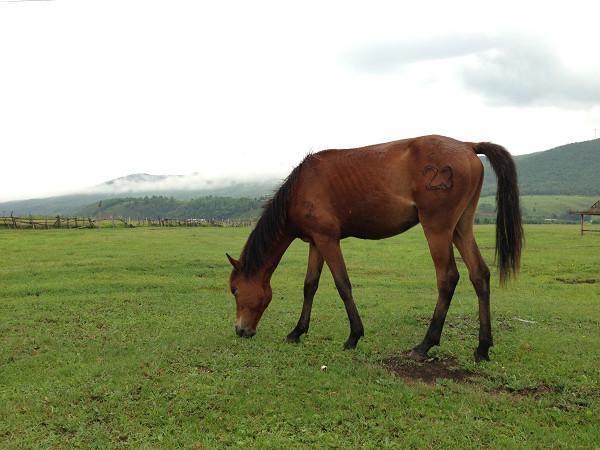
(270, 226)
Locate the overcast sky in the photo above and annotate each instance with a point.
(94, 90)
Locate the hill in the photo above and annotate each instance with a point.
(571, 169)
(158, 206)
(139, 186)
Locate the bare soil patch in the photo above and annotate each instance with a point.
(427, 371)
(431, 370)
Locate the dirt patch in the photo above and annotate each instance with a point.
(427, 371)
(431, 370)
(578, 280)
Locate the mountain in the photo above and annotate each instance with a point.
(572, 169)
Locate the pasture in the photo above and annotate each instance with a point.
(124, 338)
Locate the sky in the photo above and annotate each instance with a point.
(95, 90)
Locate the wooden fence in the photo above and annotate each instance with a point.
(56, 222)
(45, 223)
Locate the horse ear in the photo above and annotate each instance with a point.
(234, 262)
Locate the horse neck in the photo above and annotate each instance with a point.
(278, 249)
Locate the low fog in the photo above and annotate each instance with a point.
(149, 184)
(143, 182)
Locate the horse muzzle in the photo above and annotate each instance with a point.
(244, 332)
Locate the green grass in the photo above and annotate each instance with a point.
(538, 208)
(125, 338)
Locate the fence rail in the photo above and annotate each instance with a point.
(59, 222)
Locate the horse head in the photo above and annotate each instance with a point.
(252, 296)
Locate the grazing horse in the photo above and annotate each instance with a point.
(376, 192)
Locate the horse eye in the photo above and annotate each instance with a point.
(234, 291)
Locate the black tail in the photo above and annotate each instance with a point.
(509, 231)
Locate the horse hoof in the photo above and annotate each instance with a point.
(350, 343)
(480, 357)
(292, 339)
(418, 356)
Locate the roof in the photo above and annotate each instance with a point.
(592, 210)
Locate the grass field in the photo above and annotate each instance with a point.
(538, 208)
(125, 338)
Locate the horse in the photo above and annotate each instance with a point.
(376, 192)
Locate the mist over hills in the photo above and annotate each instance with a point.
(140, 185)
(186, 186)
(571, 169)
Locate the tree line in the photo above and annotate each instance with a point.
(210, 207)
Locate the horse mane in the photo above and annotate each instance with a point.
(270, 226)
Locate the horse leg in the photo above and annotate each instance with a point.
(332, 254)
(479, 274)
(440, 247)
(311, 284)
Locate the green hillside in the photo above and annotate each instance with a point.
(50, 206)
(158, 206)
(572, 169)
(168, 207)
(75, 203)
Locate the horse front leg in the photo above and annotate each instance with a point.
(311, 284)
(332, 253)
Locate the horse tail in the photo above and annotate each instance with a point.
(509, 231)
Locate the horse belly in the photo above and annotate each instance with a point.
(381, 220)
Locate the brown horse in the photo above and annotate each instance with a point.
(376, 192)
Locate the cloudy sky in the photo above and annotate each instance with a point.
(94, 90)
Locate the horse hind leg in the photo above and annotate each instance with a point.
(442, 253)
(479, 274)
(311, 284)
